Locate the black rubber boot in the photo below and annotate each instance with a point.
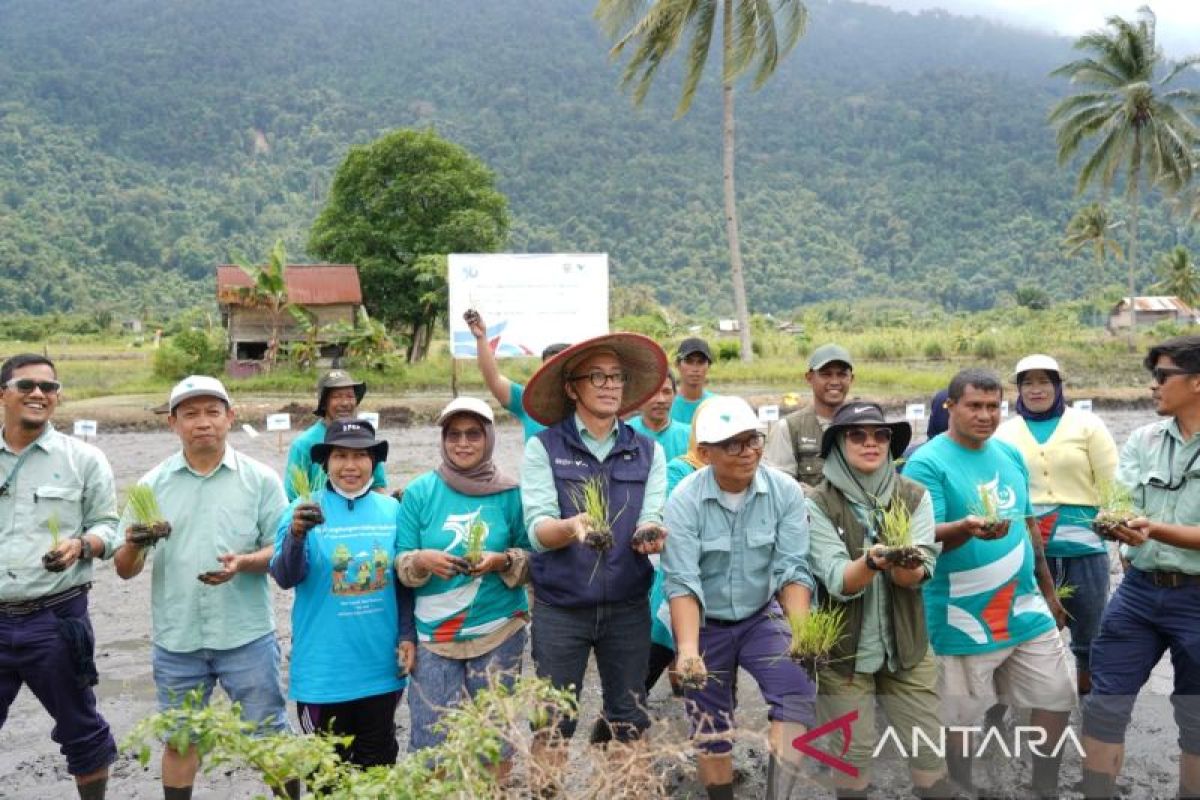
(1045, 776)
(92, 790)
(1098, 785)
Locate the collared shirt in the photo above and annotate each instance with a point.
(300, 455)
(539, 495)
(1157, 453)
(829, 558)
(734, 561)
(233, 509)
(61, 478)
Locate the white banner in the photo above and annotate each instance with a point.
(528, 301)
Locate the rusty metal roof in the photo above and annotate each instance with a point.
(307, 284)
(1156, 303)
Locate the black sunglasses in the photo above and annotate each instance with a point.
(27, 385)
(1162, 374)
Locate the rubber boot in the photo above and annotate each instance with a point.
(960, 768)
(92, 790)
(1045, 776)
(1098, 785)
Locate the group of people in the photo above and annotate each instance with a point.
(655, 527)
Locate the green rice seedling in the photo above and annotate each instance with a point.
(1065, 591)
(591, 498)
(301, 483)
(55, 531)
(476, 534)
(814, 636)
(52, 560)
(987, 508)
(1116, 508)
(894, 531)
(149, 525)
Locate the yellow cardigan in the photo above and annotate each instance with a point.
(1066, 469)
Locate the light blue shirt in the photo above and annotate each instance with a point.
(734, 561)
(1157, 452)
(516, 393)
(539, 495)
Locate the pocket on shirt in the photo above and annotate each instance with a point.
(760, 537)
(239, 528)
(61, 502)
(716, 544)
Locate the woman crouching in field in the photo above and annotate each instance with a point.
(463, 545)
(872, 546)
(336, 549)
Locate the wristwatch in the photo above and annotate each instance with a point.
(85, 549)
(871, 564)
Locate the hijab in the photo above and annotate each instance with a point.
(870, 490)
(482, 479)
(939, 415)
(1056, 408)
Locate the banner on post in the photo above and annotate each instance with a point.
(527, 301)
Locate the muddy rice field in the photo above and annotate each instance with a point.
(30, 766)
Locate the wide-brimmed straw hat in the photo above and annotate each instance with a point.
(354, 434)
(858, 414)
(643, 360)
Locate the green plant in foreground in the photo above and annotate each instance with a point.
(591, 498)
(305, 483)
(1065, 591)
(476, 534)
(143, 505)
(55, 531)
(895, 524)
(1116, 501)
(815, 634)
(986, 506)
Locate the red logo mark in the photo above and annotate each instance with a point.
(843, 724)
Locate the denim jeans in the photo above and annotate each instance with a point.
(1089, 576)
(619, 634)
(438, 683)
(249, 674)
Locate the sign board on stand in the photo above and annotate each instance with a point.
(768, 413)
(527, 301)
(85, 428)
(371, 417)
(1083, 405)
(914, 412)
(279, 423)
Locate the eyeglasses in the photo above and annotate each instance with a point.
(859, 436)
(27, 385)
(1161, 374)
(735, 447)
(601, 379)
(472, 435)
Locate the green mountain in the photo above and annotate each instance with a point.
(143, 141)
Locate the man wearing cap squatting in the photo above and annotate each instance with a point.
(46, 639)
(738, 546)
(210, 601)
(794, 443)
(588, 600)
(692, 359)
(338, 396)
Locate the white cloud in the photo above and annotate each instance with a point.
(1178, 24)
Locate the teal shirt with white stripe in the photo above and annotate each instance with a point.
(434, 516)
(233, 509)
(983, 595)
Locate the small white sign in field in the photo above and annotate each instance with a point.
(85, 428)
(371, 417)
(1083, 405)
(279, 422)
(768, 413)
(914, 412)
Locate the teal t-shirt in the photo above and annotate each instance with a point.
(677, 470)
(660, 609)
(516, 393)
(1067, 531)
(1042, 429)
(346, 617)
(682, 409)
(673, 438)
(300, 455)
(434, 516)
(984, 594)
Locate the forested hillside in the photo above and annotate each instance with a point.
(143, 141)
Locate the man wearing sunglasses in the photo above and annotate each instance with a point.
(53, 485)
(990, 607)
(1157, 605)
(738, 551)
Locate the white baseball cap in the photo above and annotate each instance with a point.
(197, 386)
(724, 417)
(1036, 361)
(470, 405)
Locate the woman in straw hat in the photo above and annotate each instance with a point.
(594, 598)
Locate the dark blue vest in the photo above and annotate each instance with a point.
(569, 577)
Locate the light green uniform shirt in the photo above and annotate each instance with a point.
(1157, 453)
(233, 509)
(829, 558)
(61, 477)
(539, 495)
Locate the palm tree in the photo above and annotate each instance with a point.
(751, 41)
(1179, 275)
(1089, 228)
(268, 291)
(1140, 129)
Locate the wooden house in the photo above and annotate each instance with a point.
(330, 293)
(1151, 311)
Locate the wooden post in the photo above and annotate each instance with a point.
(453, 375)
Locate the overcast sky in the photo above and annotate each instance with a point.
(1178, 20)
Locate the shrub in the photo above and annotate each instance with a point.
(984, 347)
(190, 353)
(933, 350)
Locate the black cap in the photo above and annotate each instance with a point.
(355, 434)
(692, 345)
(856, 414)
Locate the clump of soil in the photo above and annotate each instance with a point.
(149, 535)
(905, 557)
(1105, 524)
(599, 540)
(646, 536)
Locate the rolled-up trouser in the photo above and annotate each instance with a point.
(759, 645)
(33, 651)
(1141, 622)
(619, 634)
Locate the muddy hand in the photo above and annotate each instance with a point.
(649, 539)
(475, 323)
(406, 659)
(693, 673)
(231, 563)
(1135, 532)
(64, 556)
(305, 517)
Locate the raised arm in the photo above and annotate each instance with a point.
(498, 385)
